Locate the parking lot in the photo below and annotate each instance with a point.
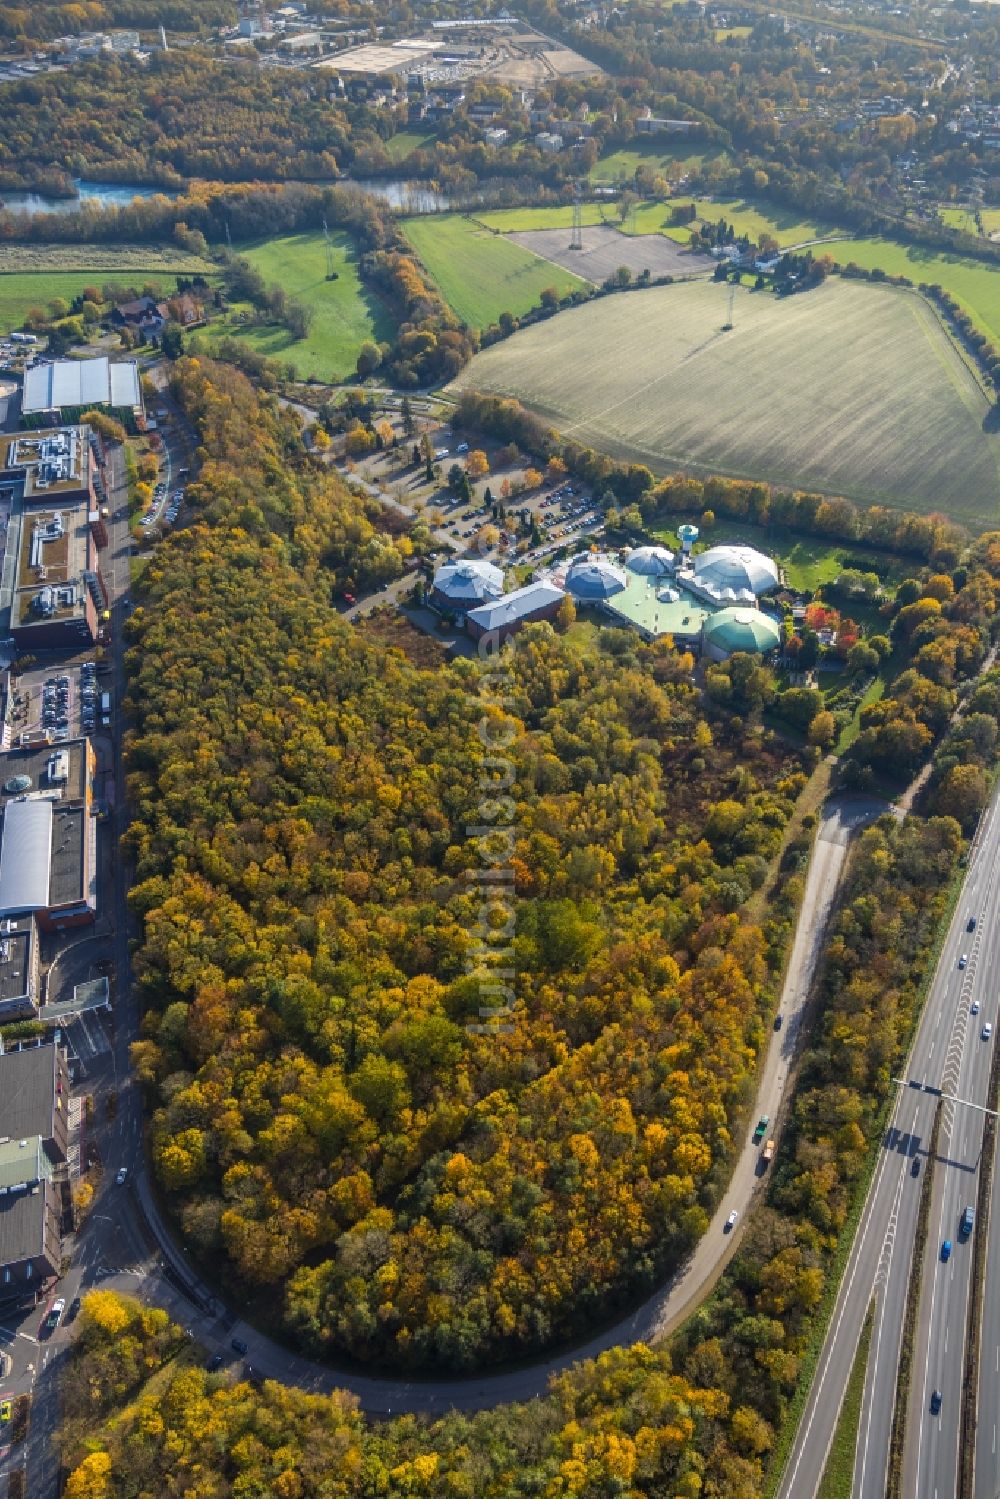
(64, 701)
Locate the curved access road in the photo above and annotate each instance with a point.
(168, 1278)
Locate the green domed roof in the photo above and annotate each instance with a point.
(742, 630)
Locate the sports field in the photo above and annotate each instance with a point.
(345, 313)
(480, 274)
(850, 389)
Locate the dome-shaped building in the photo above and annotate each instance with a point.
(651, 561)
(740, 630)
(466, 583)
(592, 576)
(740, 569)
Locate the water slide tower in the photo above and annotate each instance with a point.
(687, 536)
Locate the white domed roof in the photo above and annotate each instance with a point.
(594, 577)
(652, 561)
(736, 567)
(468, 581)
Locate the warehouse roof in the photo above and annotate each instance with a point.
(81, 382)
(25, 855)
(514, 606)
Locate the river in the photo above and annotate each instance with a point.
(406, 197)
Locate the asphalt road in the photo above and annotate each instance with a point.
(946, 1053)
(931, 1454)
(988, 1410)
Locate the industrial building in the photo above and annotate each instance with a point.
(48, 836)
(34, 1137)
(64, 390)
(504, 616)
(52, 594)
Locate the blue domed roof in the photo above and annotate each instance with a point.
(592, 576)
(651, 561)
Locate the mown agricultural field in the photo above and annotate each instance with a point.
(108, 261)
(344, 312)
(850, 389)
(481, 274)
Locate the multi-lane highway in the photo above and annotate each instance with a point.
(947, 1054)
(987, 1439)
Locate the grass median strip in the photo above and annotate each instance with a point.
(838, 1475)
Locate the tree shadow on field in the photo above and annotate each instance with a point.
(991, 421)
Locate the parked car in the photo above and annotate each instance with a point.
(238, 1346)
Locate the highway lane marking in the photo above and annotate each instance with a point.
(891, 1243)
(846, 1288)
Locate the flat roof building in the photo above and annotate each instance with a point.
(48, 836)
(56, 464)
(19, 990)
(34, 1097)
(30, 1251)
(68, 387)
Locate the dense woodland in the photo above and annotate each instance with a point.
(307, 881)
(697, 1418)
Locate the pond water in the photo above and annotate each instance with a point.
(107, 194)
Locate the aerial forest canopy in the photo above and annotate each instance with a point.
(329, 1119)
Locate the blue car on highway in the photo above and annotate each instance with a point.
(946, 1251)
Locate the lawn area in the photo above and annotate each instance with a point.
(808, 561)
(654, 156)
(960, 218)
(481, 274)
(555, 216)
(399, 146)
(23, 289)
(786, 226)
(850, 389)
(344, 312)
(723, 33)
(973, 283)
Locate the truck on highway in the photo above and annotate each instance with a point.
(761, 1129)
(968, 1219)
(767, 1154)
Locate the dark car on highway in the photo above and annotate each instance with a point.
(238, 1346)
